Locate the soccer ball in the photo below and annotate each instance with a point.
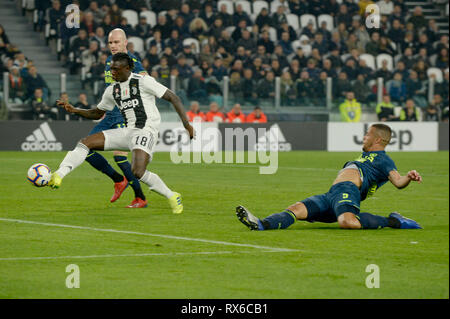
(39, 175)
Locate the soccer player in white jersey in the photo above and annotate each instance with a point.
(134, 95)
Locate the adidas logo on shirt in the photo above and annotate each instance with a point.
(273, 140)
(42, 139)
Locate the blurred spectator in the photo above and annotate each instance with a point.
(362, 91)
(143, 29)
(442, 59)
(96, 12)
(320, 89)
(186, 14)
(198, 29)
(287, 90)
(219, 71)
(89, 24)
(171, 59)
(17, 86)
(56, 14)
(257, 116)
(344, 16)
(397, 89)
(384, 72)
(34, 81)
(341, 86)
(350, 109)
(40, 107)
(417, 19)
(90, 56)
(304, 86)
(152, 56)
(214, 91)
(214, 115)
(107, 24)
(373, 47)
(415, 89)
(236, 115)
(4, 41)
(194, 114)
(279, 16)
(431, 113)
(116, 14)
(208, 14)
(266, 86)
(217, 28)
(162, 26)
(385, 109)
(97, 71)
(101, 38)
(227, 19)
(410, 112)
(197, 86)
(421, 68)
(249, 86)
(401, 68)
(263, 18)
(239, 14)
(163, 70)
(191, 58)
(442, 88)
(350, 69)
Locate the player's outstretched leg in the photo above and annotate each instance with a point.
(139, 197)
(72, 160)
(157, 185)
(101, 164)
(275, 221)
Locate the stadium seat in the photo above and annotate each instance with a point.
(132, 17)
(274, 6)
(345, 56)
(437, 72)
(370, 60)
(258, 5)
(293, 21)
(246, 6)
(228, 3)
(397, 110)
(138, 44)
(306, 18)
(328, 19)
(384, 56)
(296, 44)
(150, 16)
(189, 41)
(230, 29)
(273, 34)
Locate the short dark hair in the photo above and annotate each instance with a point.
(123, 57)
(383, 131)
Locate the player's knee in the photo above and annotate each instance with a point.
(86, 142)
(348, 221)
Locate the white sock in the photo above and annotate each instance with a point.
(73, 159)
(156, 184)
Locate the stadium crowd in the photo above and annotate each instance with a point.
(200, 43)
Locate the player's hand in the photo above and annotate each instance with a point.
(414, 176)
(69, 108)
(190, 130)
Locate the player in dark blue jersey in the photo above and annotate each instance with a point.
(117, 42)
(356, 181)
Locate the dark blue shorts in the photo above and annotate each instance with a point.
(341, 198)
(108, 123)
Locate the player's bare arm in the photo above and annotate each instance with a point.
(400, 181)
(176, 102)
(92, 114)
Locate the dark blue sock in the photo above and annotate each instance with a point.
(100, 163)
(125, 166)
(369, 221)
(279, 221)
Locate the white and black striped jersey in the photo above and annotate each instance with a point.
(135, 99)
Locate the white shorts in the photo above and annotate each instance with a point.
(128, 139)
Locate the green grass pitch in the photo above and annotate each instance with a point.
(205, 252)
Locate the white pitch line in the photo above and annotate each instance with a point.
(137, 255)
(148, 234)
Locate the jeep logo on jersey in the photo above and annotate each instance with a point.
(42, 139)
(129, 104)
